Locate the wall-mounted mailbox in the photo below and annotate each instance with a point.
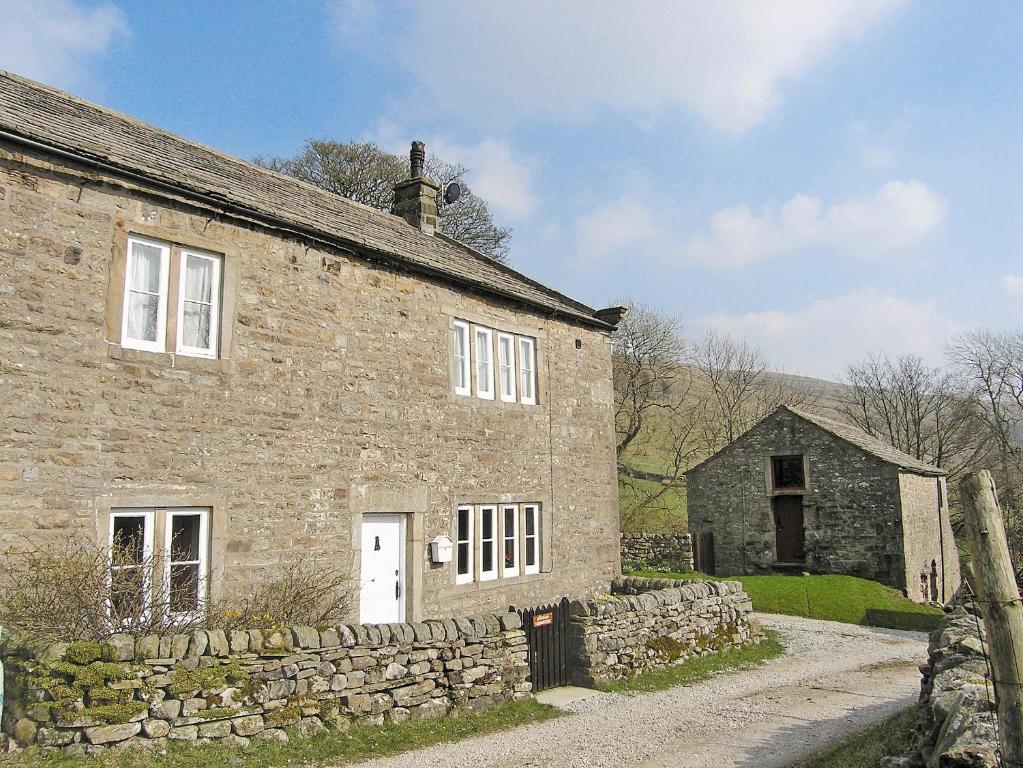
(441, 549)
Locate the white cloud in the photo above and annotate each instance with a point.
(899, 215)
(617, 227)
(495, 174)
(51, 40)
(726, 62)
(823, 337)
(1013, 285)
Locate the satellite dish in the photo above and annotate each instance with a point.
(452, 192)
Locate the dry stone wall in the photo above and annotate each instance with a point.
(671, 549)
(242, 685)
(650, 623)
(957, 726)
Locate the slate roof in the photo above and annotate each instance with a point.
(63, 122)
(882, 450)
(850, 434)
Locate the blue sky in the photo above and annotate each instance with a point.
(825, 180)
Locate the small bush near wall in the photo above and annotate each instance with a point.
(238, 685)
(651, 623)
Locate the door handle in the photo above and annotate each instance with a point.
(397, 590)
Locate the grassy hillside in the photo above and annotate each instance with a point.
(833, 598)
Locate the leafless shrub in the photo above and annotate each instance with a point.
(73, 590)
(305, 592)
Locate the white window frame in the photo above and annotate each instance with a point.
(460, 329)
(506, 362)
(204, 554)
(469, 575)
(527, 354)
(507, 572)
(160, 344)
(534, 511)
(149, 516)
(214, 348)
(480, 332)
(491, 542)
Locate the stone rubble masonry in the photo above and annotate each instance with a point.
(332, 400)
(653, 623)
(309, 679)
(359, 673)
(957, 725)
(671, 549)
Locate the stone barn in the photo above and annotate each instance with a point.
(799, 492)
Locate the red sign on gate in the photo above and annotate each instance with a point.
(543, 620)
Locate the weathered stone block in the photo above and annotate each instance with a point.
(106, 734)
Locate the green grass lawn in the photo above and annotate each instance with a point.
(694, 670)
(834, 598)
(864, 749)
(360, 743)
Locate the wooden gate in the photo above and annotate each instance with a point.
(546, 628)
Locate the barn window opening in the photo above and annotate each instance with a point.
(787, 472)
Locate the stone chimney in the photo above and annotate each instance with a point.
(415, 200)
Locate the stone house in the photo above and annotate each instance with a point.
(233, 368)
(800, 492)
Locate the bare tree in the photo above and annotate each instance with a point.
(741, 389)
(992, 363)
(365, 173)
(657, 414)
(920, 410)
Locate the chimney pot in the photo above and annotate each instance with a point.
(417, 156)
(415, 199)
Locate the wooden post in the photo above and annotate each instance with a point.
(1000, 606)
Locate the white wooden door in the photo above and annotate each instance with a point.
(382, 597)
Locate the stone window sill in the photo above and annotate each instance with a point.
(170, 360)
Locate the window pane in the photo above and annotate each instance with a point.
(488, 524)
(185, 538)
(459, 341)
(463, 558)
(199, 279)
(488, 557)
(788, 471)
(510, 533)
(463, 524)
(527, 364)
(196, 331)
(128, 541)
(143, 314)
(145, 268)
(530, 522)
(184, 588)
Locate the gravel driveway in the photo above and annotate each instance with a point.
(834, 678)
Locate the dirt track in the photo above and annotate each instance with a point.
(835, 678)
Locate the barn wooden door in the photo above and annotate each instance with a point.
(788, 529)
